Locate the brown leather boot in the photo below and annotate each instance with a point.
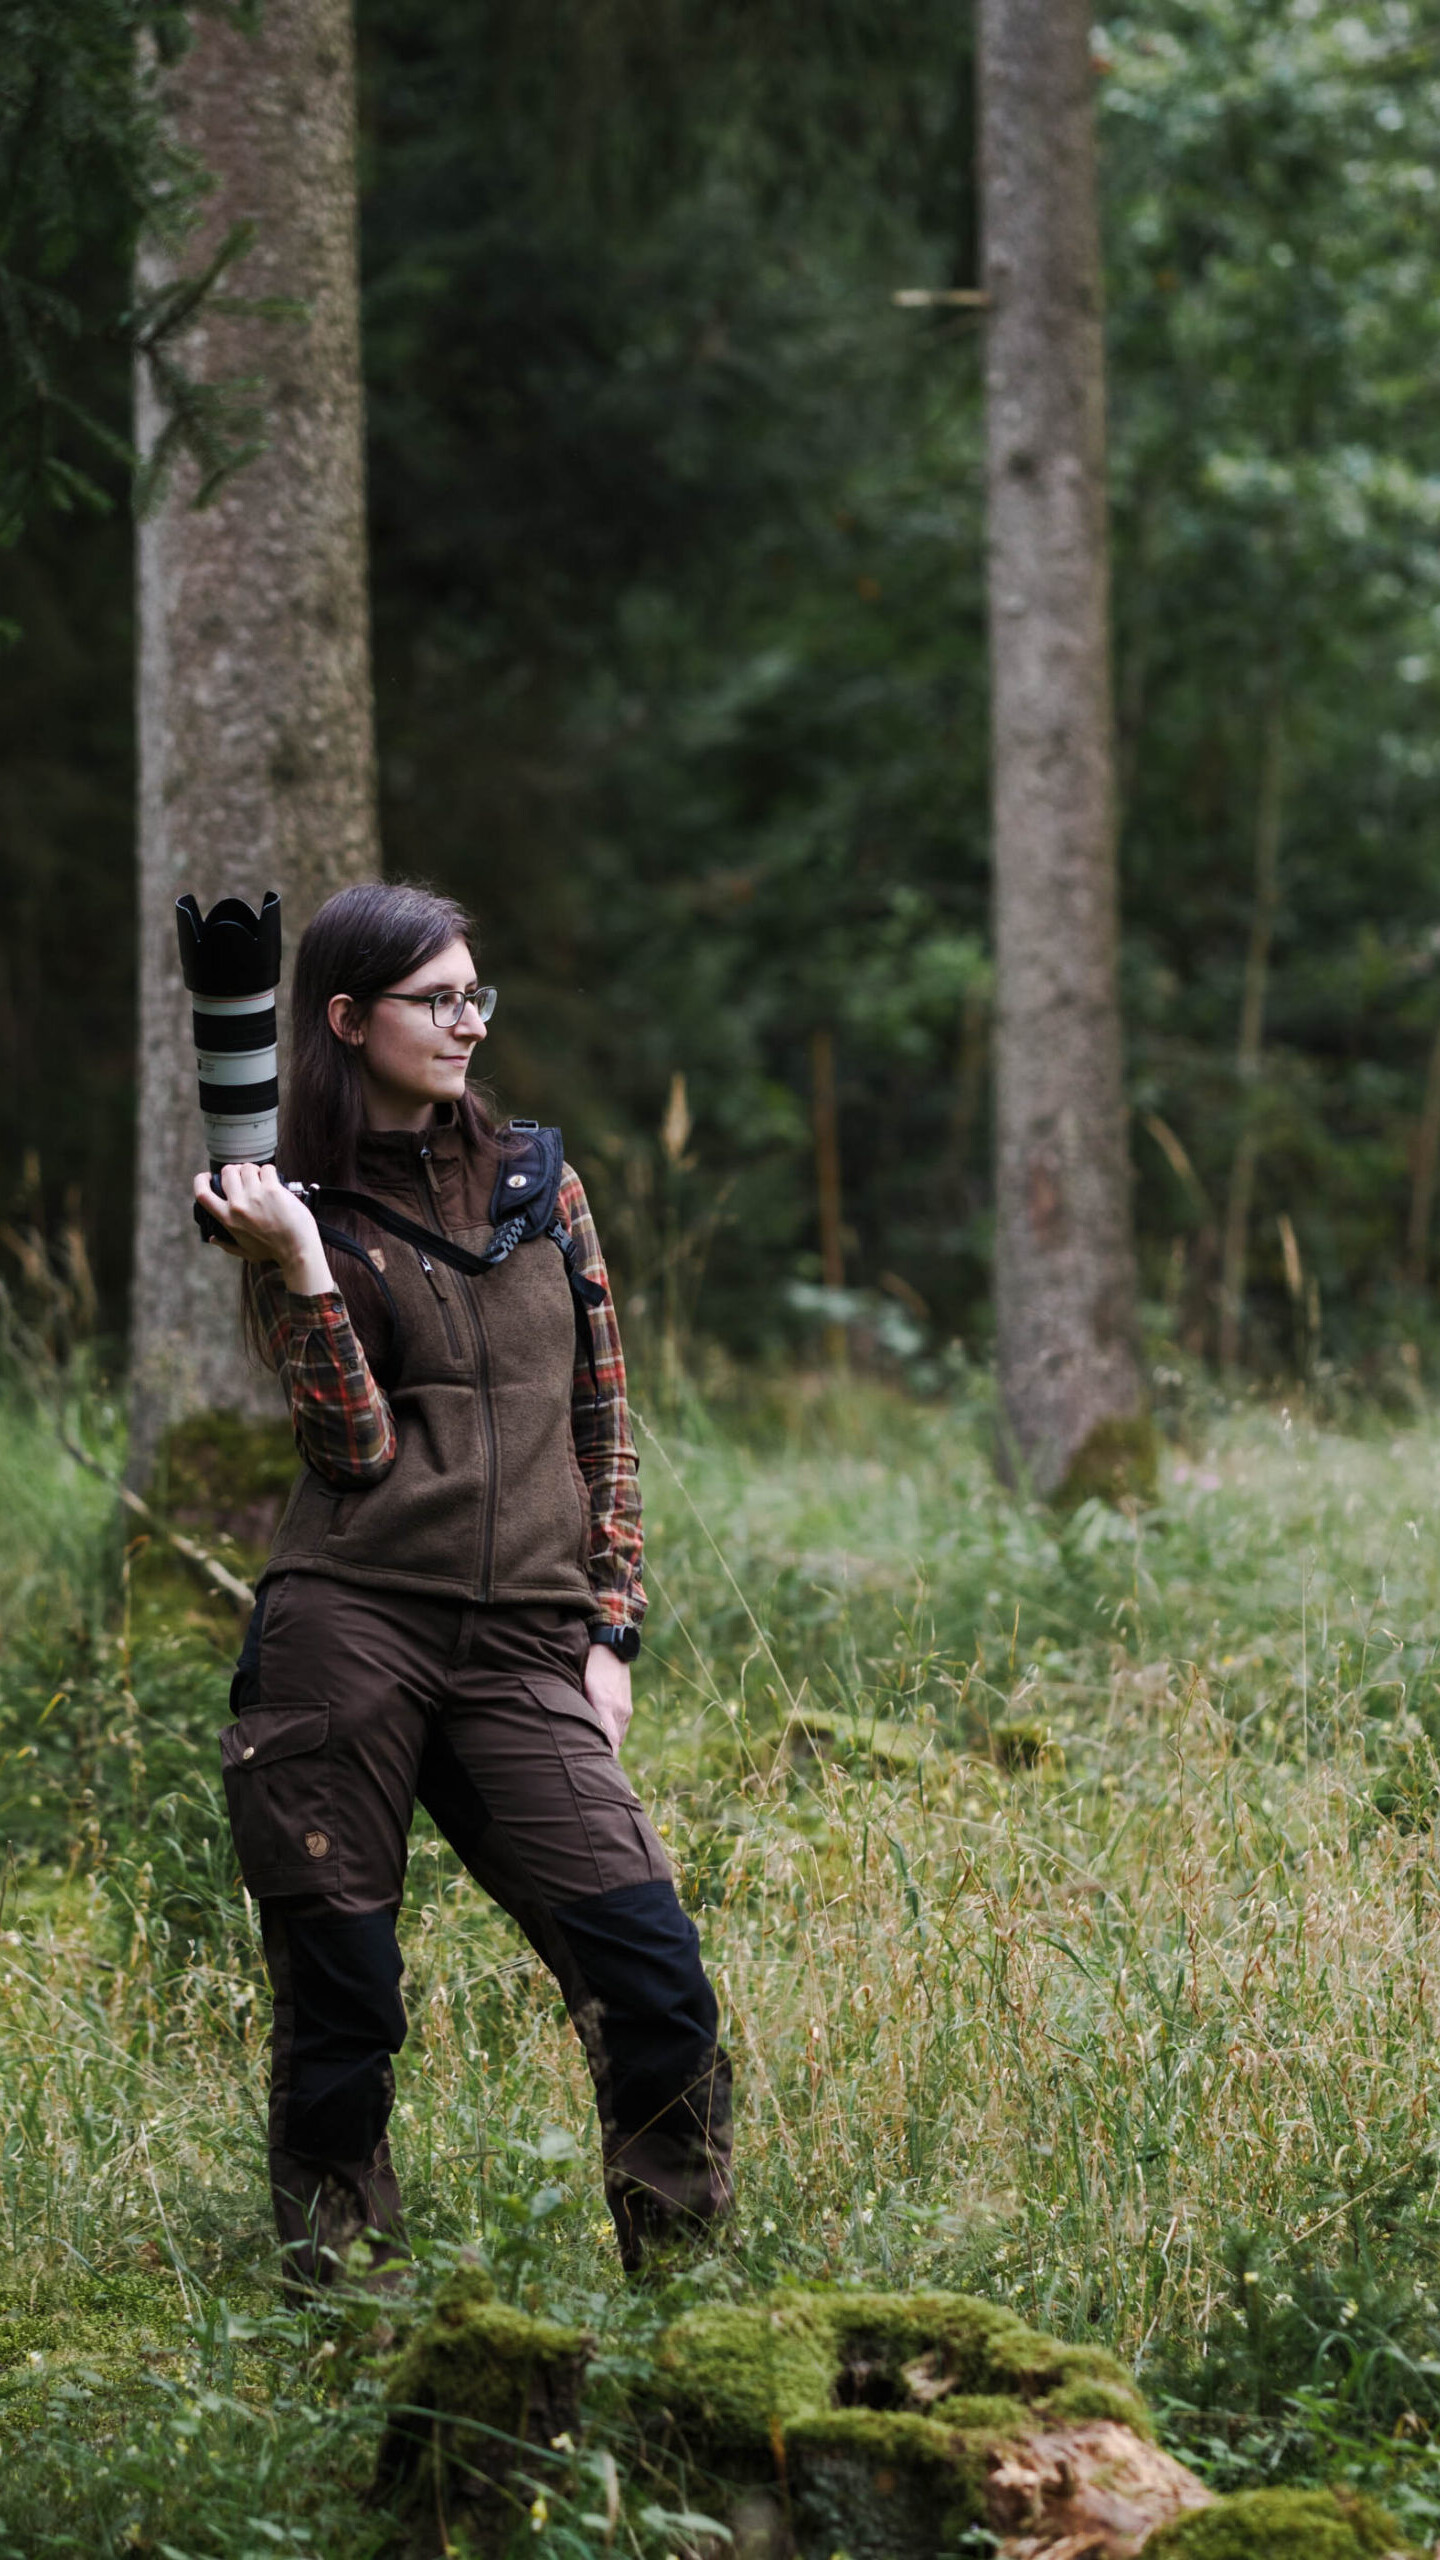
(323, 2208)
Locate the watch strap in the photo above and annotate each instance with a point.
(623, 1642)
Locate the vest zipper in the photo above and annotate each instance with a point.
(442, 1298)
(482, 1354)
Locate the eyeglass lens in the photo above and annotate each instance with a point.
(446, 1009)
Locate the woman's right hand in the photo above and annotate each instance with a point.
(265, 1222)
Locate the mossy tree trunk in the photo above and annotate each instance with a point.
(1070, 1374)
(256, 759)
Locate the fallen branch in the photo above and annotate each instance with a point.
(209, 1567)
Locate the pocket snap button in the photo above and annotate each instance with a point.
(249, 1751)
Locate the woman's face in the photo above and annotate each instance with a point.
(406, 1064)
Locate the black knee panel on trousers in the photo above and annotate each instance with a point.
(640, 1957)
(349, 2020)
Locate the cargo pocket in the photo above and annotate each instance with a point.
(280, 1790)
(566, 1704)
(610, 1818)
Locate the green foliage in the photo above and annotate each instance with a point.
(82, 149)
(147, 2421)
(227, 1477)
(1134, 2043)
(710, 641)
(86, 164)
(731, 628)
(685, 686)
(1274, 355)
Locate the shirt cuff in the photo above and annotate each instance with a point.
(607, 1609)
(328, 1309)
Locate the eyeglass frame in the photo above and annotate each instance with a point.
(484, 1000)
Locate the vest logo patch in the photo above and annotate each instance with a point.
(317, 1842)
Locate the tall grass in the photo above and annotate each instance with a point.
(1070, 1887)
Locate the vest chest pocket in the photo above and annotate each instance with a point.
(280, 1791)
(440, 1293)
(435, 1340)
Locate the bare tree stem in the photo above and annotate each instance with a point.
(1065, 1283)
(1249, 1050)
(826, 1122)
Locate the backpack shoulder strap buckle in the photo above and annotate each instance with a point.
(527, 1188)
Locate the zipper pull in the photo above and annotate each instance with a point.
(431, 1175)
(432, 1275)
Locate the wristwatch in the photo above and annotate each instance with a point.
(623, 1642)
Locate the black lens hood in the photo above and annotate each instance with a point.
(232, 951)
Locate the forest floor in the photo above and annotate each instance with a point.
(1071, 1891)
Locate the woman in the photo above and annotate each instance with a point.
(450, 1607)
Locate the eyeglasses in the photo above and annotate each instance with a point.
(447, 1005)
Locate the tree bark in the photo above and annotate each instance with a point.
(256, 756)
(1070, 1375)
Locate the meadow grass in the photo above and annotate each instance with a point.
(1069, 1885)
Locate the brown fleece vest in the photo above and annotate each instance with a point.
(485, 1500)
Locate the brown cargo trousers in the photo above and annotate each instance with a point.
(349, 1704)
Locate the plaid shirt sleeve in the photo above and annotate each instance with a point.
(343, 1425)
(604, 1443)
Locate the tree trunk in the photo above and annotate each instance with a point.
(256, 756)
(1070, 1374)
(1250, 1045)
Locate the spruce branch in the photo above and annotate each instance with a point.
(218, 426)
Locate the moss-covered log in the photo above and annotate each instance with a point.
(874, 2426)
(473, 2389)
(898, 2423)
(1284, 2524)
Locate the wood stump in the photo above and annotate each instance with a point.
(833, 2425)
(891, 2425)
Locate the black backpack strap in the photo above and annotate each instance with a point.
(527, 1187)
(587, 1294)
(339, 1242)
(523, 1205)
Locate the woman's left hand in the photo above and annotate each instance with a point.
(607, 1686)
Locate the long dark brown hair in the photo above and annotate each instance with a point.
(358, 944)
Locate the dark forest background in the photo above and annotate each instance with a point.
(680, 660)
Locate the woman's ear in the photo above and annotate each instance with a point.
(340, 1013)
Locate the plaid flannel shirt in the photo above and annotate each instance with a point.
(345, 1430)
